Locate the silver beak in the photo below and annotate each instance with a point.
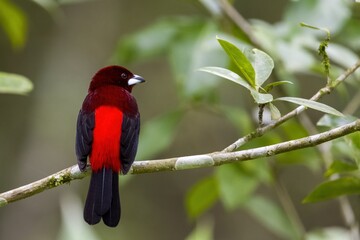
(135, 80)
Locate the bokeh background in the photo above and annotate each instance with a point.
(65, 46)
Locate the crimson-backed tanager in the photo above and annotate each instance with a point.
(108, 128)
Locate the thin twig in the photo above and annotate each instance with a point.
(261, 114)
(353, 105)
(238, 19)
(181, 163)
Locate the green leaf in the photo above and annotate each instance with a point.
(235, 185)
(271, 216)
(341, 166)
(260, 98)
(302, 24)
(227, 74)
(247, 71)
(329, 233)
(332, 121)
(275, 113)
(262, 64)
(325, 61)
(270, 86)
(311, 104)
(333, 189)
(14, 23)
(204, 230)
(14, 83)
(201, 196)
(344, 148)
(157, 134)
(353, 141)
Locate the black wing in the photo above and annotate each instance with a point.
(129, 141)
(84, 137)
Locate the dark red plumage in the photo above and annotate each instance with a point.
(108, 128)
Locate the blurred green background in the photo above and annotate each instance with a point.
(66, 43)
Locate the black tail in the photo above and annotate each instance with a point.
(103, 200)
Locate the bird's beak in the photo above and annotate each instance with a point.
(135, 80)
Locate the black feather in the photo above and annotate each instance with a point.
(129, 141)
(112, 217)
(90, 215)
(103, 190)
(84, 137)
(103, 200)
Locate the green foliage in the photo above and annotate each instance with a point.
(225, 73)
(3, 202)
(271, 215)
(203, 230)
(253, 66)
(164, 126)
(341, 166)
(346, 163)
(235, 185)
(270, 86)
(322, 48)
(347, 149)
(188, 44)
(333, 189)
(246, 69)
(274, 111)
(329, 233)
(262, 64)
(332, 121)
(147, 43)
(14, 83)
(201, 197)
(13, 21)
(311, 104)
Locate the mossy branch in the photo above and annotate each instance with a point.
(181, 163)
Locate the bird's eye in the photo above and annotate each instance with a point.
(123, 76)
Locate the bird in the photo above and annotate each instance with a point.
(107, 133)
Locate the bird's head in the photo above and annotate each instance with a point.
(115, 75)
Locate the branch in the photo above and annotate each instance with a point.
(262, 130)
(240, 21)
(181, 163)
